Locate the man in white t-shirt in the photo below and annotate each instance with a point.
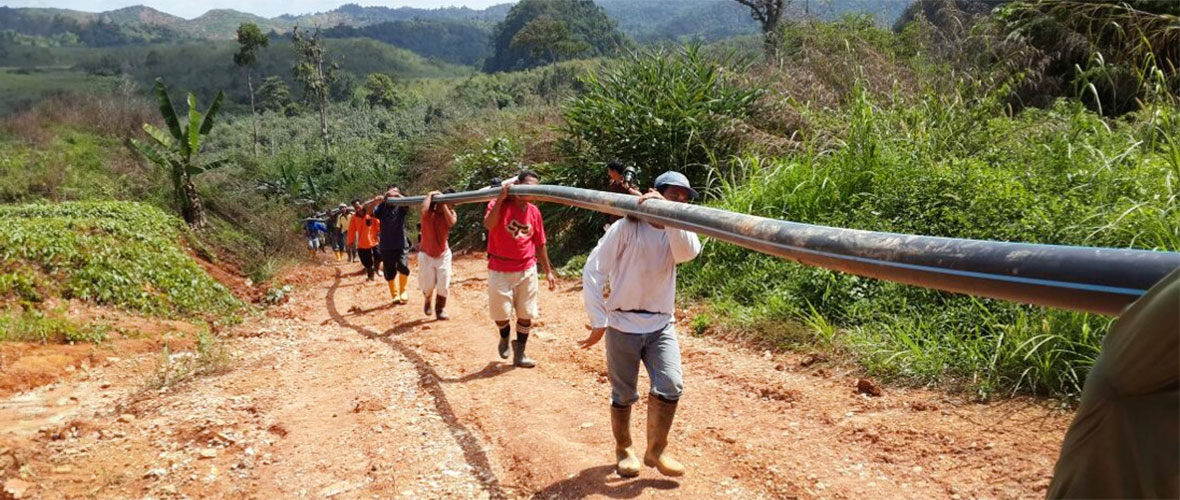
(639, 260)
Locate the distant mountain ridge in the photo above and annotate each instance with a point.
(640, 19)
(223, 23)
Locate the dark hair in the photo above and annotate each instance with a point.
(448, 190)
(524, 174)
(355, 201)
(615, 165)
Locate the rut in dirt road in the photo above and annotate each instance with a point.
(428, 379)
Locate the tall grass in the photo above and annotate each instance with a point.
(934, 166)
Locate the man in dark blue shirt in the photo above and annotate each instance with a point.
(393, 244)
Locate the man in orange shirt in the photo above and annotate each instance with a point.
(362, 233)
(434, 257)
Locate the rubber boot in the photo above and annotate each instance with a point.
(518, 357)
(393, 290)
(440, 308)
(620, 424)
(404, 295)
(426, 306)
(659, 420)
(503, 347)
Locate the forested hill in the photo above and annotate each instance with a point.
(643, 20)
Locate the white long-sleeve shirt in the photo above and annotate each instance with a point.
(639, 261)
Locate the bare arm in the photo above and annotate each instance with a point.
(493, 216)
(543, 256)
(450, 214)
(368, 207)
(428, 200)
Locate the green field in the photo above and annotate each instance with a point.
(25, 87)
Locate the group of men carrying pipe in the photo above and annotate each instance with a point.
(1108, 453)
(636, 259)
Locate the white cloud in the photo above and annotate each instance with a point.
(265, 8)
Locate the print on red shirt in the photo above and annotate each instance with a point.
(513, 241)
(520, 231)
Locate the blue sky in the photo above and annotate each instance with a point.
(265, 8)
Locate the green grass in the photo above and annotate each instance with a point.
(931, 166)
(121, 254)
(72, 166)
(23, 88)
(209, 358)
(31, 325)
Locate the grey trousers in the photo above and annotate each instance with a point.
(659, 351)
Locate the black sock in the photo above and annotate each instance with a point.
(505, 330)
(522, 333)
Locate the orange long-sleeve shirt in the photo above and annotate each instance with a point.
(363, 230)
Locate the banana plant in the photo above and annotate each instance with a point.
(177, 150)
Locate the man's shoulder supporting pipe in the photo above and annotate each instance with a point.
(1100, 280)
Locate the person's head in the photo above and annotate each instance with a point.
(528, 177)
(393, 190)
(356, 205)
(614, 169)
(674, 186)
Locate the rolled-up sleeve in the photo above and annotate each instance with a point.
(685, 245)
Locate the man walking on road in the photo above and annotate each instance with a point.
(314, 229)
(638, 259)
(434, 256)
(363, 231)
(516, 240)
(339, 222)
(393, 244)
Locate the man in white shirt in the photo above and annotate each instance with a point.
(639, 260)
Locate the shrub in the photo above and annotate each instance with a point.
(659, 110)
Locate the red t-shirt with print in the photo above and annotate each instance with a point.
(513, 241)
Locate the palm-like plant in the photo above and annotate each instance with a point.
(177, 149)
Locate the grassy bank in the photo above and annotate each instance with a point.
(126, 255)
(936, 166)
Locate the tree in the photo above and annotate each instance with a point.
(380, 90)
(309, 70)
(250, 40)
(152, 59)
(552, 30)
(768, 13)
(546, 36)
(177, 150)
(274, 93)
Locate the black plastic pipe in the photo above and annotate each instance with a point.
(1097, 280)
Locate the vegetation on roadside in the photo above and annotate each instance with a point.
(208, 357)
(127, 255)
(54, 326)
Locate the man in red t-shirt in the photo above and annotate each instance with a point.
(434, 256)
(516, 240)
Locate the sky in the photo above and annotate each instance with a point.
(264, 8)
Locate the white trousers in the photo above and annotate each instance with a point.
(434, 274)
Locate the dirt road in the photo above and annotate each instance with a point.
(339, 394)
